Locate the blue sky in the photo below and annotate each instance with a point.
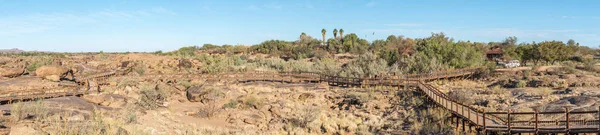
(145, 25)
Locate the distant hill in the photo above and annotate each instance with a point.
(14, 50)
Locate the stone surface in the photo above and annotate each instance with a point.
(23, 129)
(11, 72)
(110, 100)
(54, 78)
(51, 70)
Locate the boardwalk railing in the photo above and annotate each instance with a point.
(566, 121)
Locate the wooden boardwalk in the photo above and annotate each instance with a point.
(568, 122)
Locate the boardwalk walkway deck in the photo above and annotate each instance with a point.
(479, 118)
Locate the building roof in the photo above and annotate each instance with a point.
(495, 50)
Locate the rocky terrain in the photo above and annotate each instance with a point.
(156, 97)
(154, 94)
(549, 90)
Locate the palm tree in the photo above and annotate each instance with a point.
(335, 33)
(342, 35)
(323, 31)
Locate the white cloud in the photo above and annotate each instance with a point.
(371, 4)
(405, 24)
(38, 22)
(162, 10)
(273, 6)
(306, 5)
(579, 17)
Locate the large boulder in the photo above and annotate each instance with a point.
(11, 72)
(52, 70)
(204, 94)
(54, 78)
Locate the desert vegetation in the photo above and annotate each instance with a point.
(159, 92)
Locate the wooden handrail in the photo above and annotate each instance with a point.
(431, 92)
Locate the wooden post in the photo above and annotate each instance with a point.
(457, 122)
(476, 119)
(536, 121)
(508, 123)
(463, 125)
(483, 120)
(456, 107)
(468, 114)
(462, 110)
(567, 118)
(367, 81)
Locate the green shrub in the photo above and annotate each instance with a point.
(232, 104)
(521, 84)
(364, 66)
(38, 62)
(327, 66)
(32, 67)
(188, 51)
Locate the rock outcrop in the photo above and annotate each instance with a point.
(51, 72)
(11, 72)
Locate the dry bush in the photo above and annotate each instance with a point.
(498, 90)
(151, 98)
(140, 68)
(210, 107)
(17, 111)
(568, 70)
(126, 81)
(35, 109)
(251, 101)
(208, 111)
(97, 125)
(462, 97)
(128, 114)
(359, 98)
(306, 115)
(187, 83)
(527, 73)
(544, 92)
(521, 84)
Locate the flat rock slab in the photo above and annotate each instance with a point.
(72, 104)
(26, 83)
